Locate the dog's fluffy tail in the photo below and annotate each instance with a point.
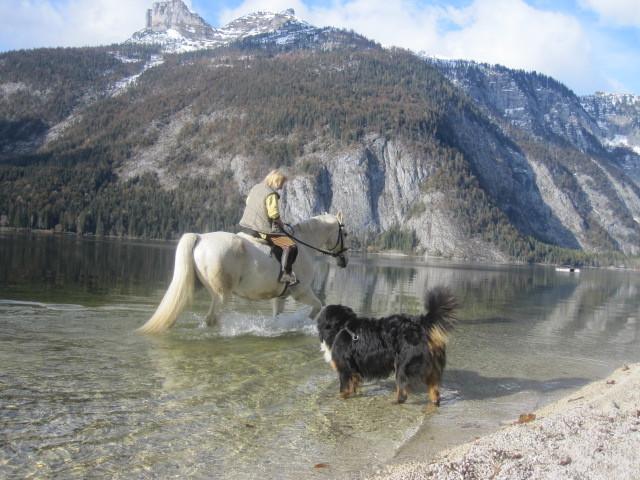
(440, 305)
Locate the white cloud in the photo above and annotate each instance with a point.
(40, 23)
(618, 12)
(514, 34)
(508, 32)
(399, 23)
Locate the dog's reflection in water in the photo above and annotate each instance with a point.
(412, 346)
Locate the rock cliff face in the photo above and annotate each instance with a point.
(526, 180)
(375, 183)
(175, 15)
(533, 102)
(259, 23)
(618, 116)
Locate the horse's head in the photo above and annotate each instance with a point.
(325, 234)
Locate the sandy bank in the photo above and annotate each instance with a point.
(593, 433)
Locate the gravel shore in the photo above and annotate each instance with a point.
(593, 433)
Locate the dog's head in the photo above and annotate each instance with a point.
(331, 320)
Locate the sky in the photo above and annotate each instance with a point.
(589, 45)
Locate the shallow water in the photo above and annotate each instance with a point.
(81, 395)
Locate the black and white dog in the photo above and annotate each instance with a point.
(412, 346)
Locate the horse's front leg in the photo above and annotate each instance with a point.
(278, 305)
(306, 295)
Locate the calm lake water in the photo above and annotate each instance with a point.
(82, 395)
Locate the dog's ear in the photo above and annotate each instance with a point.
(338, 312)
(332, 319)
(322, 316)
(349, 313)
(337, 315)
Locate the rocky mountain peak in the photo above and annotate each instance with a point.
(175, 15)
(258, 23)
(172, 25)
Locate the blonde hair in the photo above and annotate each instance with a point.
(275, 179)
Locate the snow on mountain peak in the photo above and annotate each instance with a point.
(172, 25)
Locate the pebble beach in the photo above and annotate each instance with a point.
(593, 433)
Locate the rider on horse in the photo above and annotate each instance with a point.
(262, 216)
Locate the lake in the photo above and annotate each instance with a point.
(82, 395)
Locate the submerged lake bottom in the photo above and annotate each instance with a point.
(82, 395)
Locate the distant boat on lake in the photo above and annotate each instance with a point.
(568, 269)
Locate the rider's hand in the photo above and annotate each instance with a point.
(279, 223)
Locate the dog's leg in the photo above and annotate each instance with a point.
(347, 386)
(401, 384)
(356, 380)
(433, 387)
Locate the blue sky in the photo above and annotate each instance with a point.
(587, 44)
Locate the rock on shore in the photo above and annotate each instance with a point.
(593, 433)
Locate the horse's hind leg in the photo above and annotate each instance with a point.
(212, 315)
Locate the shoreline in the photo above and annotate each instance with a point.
(592, 433)
(384, 254)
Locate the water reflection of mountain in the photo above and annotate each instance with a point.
(606, 309)
(598, 303)
(390, 285)
(58, 262)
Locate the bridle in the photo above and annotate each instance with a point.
(339, 245)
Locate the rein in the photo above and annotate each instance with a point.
(339, 242)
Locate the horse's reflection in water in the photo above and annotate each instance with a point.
(227, 263)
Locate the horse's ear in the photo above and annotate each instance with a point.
(340, 217)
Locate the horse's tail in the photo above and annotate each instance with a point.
(180, 291)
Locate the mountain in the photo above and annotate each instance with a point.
(538, 104)
(535, 103)
(450, 158)
(551, 123)
(178, 30)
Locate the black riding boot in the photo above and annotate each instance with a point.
(286, 275)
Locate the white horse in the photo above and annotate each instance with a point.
(227, 263)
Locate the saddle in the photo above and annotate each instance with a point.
(273, 250)
(257, 240)
(276, 247)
